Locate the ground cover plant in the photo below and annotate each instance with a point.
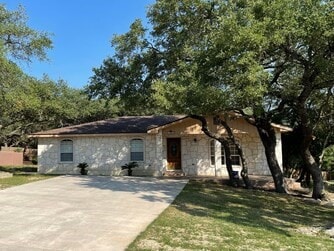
(20, 179)
(18, 169)
(210, 216)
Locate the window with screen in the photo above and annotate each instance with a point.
(66, 150)
(137, 150)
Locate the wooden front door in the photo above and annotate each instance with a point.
(174, 154)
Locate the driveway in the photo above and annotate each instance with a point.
(82, 212)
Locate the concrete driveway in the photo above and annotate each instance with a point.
(82, 212)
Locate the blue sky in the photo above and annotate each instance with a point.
(82, 30)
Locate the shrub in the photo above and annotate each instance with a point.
(328, 159)
(129, 167)
(83, 167)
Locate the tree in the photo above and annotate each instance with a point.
(35, 105)
(281, 53)
(28, 104)
(209, 56)
(18, 40)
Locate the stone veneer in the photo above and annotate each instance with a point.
(106, 154)
(196, 156)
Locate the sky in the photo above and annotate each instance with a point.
(81, 33)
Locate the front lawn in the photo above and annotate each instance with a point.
(209, 216)
(21, 179)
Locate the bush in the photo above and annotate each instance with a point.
(328, 159)
(129, 167)
(83, 167)
(17, 169)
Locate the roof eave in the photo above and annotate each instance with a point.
(282, 128)
(156, 129)
(84, 135)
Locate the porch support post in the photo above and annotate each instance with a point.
(278, 150)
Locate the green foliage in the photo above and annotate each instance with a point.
(34, 105)
(27, 104)
(83, 167)
(18, 40)
(203, 57)
(129, 167)
(328, 159)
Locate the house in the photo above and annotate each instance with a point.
(159, 144)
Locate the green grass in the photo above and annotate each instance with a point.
(209, 216)
(21, 179)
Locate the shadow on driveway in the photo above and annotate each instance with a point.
(147, 188)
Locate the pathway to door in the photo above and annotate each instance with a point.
(82, 212)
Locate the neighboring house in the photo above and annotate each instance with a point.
(158, 143)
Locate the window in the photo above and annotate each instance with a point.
(222, 154)
(66, 150)
(235, 157)
(137, 150)
(212, 153)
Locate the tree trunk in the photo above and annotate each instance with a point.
(223, 141)
(244, 170)
(311, 164)
(228, 160)
(307, 137)
(268, 138)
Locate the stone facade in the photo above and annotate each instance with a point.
(106, 154)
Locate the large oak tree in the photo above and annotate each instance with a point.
(259, 58)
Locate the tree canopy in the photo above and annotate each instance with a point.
(18, 40)
(28, 104)
(211, 55)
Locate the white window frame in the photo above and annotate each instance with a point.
(212, 152)
(222, 155)
(233, 154)
(60, 151)
(143, 142)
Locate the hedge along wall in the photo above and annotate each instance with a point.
(9, 158)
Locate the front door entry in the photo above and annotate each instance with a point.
(174, 154)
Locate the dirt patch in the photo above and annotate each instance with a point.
(310, 231)
(5, 175)
(314, 231)
(294, 188)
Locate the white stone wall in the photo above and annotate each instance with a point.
(254, 154)
(196, 156)
(104, 155)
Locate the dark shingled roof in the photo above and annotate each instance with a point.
(131, 124)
